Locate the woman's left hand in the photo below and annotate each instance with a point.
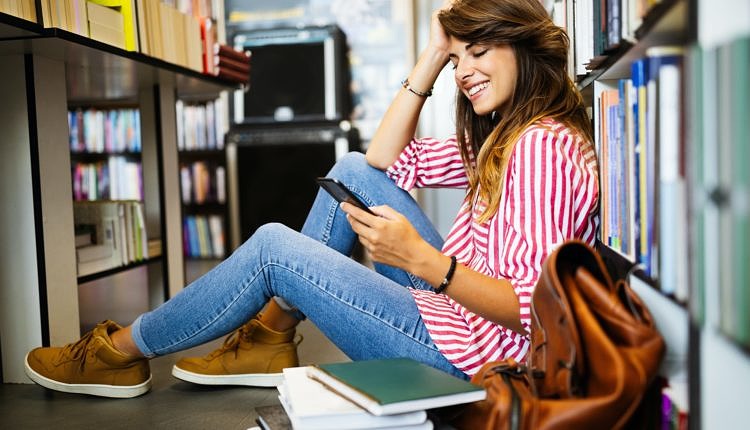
(388, 236)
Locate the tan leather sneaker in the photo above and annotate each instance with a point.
(253, 355)
(90, 366)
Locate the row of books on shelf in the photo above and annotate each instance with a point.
(108, 21)
(24, 9)
(598, 27)
(203, 236)
(200, 125)
(168, 33)
(117, 178)
(182, 32)
(720, 188)
(109, 234)
(203, 182)
(640, 139)
(104, 130)
(386, 393)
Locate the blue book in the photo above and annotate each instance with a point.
(657, 57)
(638, 76)
(625, 160)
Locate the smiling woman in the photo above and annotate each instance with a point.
(522, 151)
(486, 74)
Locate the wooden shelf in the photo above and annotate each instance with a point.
(204, 208)
(621, 268)
(115, 270)
(12, 27)
(46, 71)
(103, 156)
(97, 71)
(202, 154)
(665, 24)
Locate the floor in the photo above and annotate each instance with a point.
(171, 404)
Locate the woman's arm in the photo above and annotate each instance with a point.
(491, 298)
(399, 123)
(391, 239)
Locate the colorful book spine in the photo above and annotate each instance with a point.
(638, 75)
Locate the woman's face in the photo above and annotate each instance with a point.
(486, 74)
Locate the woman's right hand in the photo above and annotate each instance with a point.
(439, 39)
(399, 123)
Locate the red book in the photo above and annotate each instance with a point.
(207, 37)
(227, 51)
(230, 63)
(232, 75)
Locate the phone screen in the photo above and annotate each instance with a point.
(341, 193)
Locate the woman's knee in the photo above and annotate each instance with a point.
(352, 165)
(267, 235)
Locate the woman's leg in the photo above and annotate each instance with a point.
(224, 285)
(364, 313)
(327, 223)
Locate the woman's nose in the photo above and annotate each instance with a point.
(463, 71)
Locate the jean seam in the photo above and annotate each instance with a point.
(326, 236)
(362, 195)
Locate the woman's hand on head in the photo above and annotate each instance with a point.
(388, 236)
(439, 39)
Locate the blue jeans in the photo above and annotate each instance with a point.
(367, 314)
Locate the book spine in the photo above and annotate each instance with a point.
(226, 51)
(232, 75)
(230, 63)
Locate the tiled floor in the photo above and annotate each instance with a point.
(171, 404)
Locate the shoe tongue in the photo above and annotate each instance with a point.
(104, 329)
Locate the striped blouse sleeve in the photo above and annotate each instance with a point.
(429, 162)
(551, 190)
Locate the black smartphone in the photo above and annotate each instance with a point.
(342, 194)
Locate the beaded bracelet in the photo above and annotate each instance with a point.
(405, 84)
(448, 276)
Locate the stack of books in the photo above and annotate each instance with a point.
(109, 234)
(106, 24)
(231, 64)
(372, 394)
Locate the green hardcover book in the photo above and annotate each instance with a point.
(398, 385)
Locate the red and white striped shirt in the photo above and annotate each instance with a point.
(550, 194)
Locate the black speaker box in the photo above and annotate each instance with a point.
(277, 167)
(296, 75)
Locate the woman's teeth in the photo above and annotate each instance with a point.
(476, 88)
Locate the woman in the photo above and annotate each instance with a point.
(523, 153)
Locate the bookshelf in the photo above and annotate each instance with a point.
(203, 179)
(624, 106)
(45, 71)
(694, 278)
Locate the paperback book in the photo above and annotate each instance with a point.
(309, 405)
(392, 386)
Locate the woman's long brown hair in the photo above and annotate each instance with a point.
(543, 88)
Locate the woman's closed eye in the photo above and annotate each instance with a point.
(479, 52)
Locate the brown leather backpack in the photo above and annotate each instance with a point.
(594, 352)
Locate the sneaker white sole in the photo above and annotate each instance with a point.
(102, 390)
(247, 379)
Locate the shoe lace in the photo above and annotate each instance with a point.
(232, 342)
(76, 350)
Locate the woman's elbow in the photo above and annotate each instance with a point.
(376, 162)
